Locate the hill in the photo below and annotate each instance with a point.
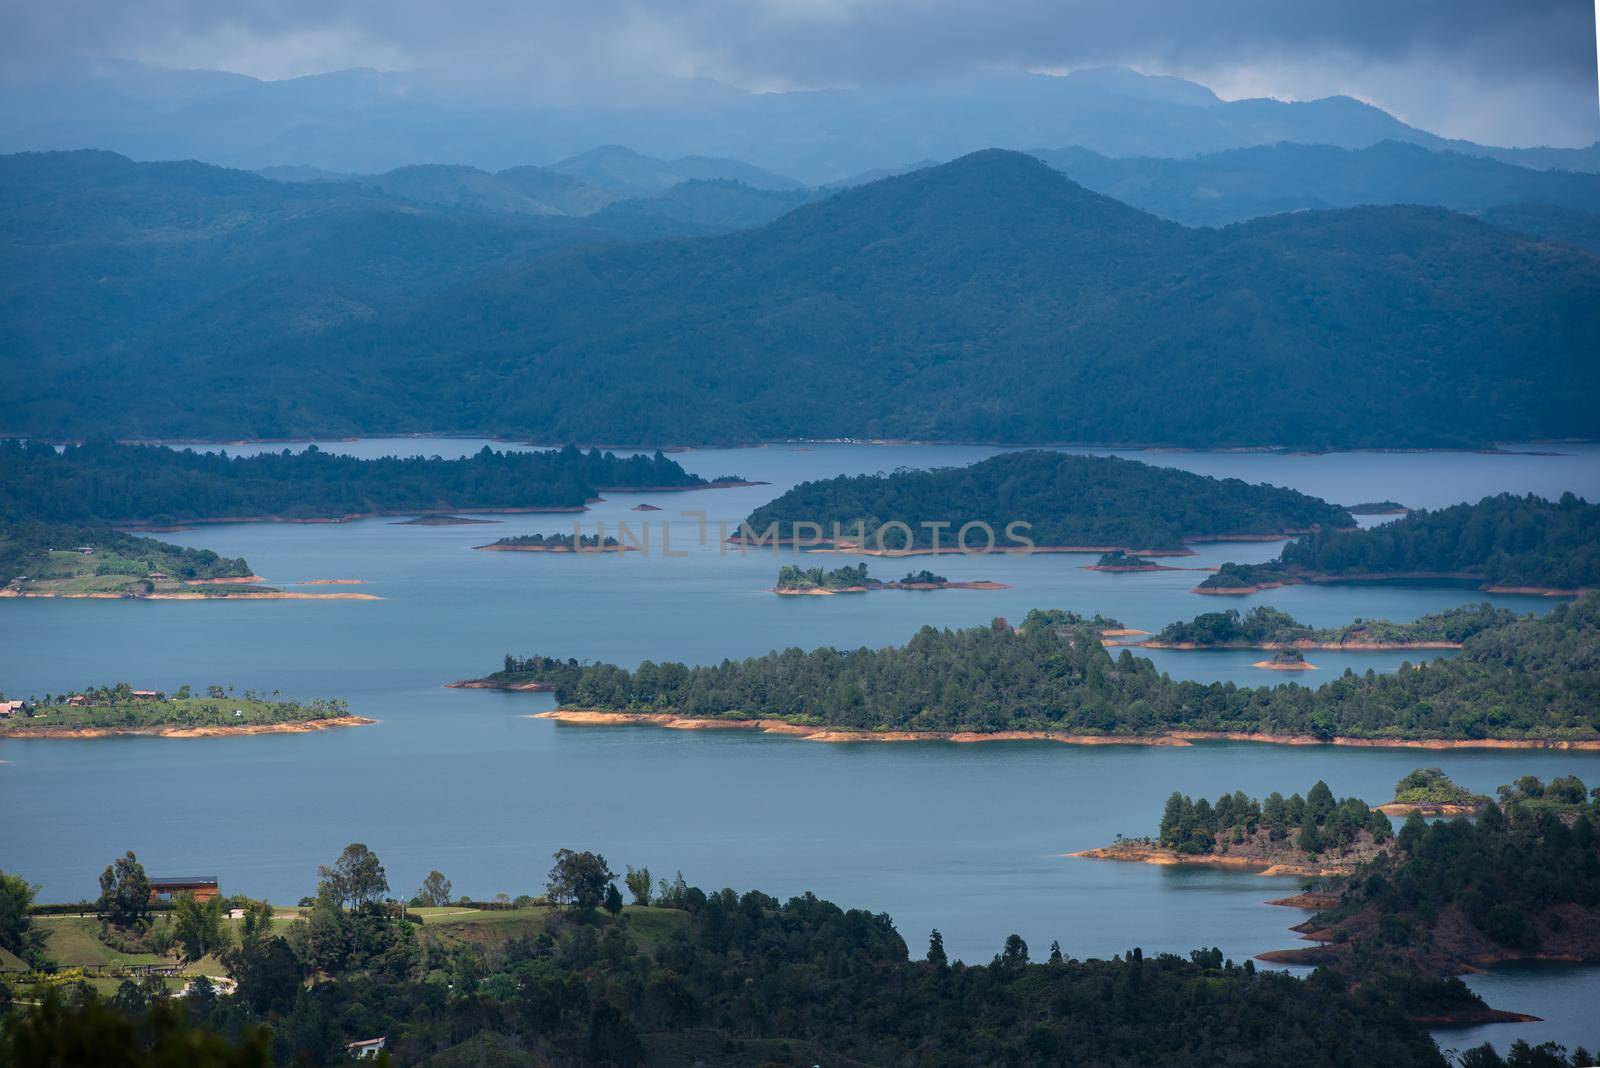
(1226, 187)
(1061, 500)
(986, 299)
(627, 173)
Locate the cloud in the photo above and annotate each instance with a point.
(1510, 68)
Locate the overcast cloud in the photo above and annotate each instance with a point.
(1497, 71)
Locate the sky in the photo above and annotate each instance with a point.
(1495, 71)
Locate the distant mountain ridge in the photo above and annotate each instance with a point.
(990, 299)
(369, 121)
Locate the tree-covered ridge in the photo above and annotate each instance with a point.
(1431, 786)
(683, 976)
(1505, 540)
(27, 548)
(987, 299)
(107, 482)
(121, 707)
(1534, 678)
(1065, 500)
(555, 541)
(1314, 824)
(1518, 881)
(794, 577)
(1265, 626)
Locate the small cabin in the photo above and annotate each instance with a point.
(9, 708)
(166, 888)
(365, 1048)
(146, 695)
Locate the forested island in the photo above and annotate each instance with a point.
(1521, 882)
(794, 580)
(580, 971)
(1431, 792)
(1503, 544)
(1036, 500)
(91, 561)
(1118, 561)
(1377, 508)
(106, 482)
(557, 543)
(110, 711)
(1314, 835)
(1527, 683)
(1265, 627)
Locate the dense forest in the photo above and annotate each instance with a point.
(108, 482)
(1532, 678)
(1431, 786)
(1267, 626)
(1317, 822)
(986, 299)
(554, 542)
(1504, 540)
(1063, 500)
(25, 548)
(685, 976)
(1522, 879)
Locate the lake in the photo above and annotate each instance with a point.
(968, 839)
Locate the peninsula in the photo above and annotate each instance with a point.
(1034, 501)
(794, 581)
(1503, 544)
(1269, 628)
(1524, 684)
(160, 488)
(113, 711)
(1314, 835)
(68, 560)
(1430, 792)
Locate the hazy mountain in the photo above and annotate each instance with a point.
(369, 121)
(986, 299)
(710, 206)
(630, 174)
(1568, 225)
(522, 190)
(1224, 187)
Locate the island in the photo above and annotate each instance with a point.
(1314, 835)
(72, 561)
(1270, 628)
(1502, 544)
(161, 488)
(557, 543)
(119, 710)
(1120, 562)
(794, 581)
(442, 521)
(1521, 882)
(1034, 501)
(1430, 792)
(1524, 684)
(1286, 660)
(1377, 508)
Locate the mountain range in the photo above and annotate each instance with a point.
(370, 121)
(990, 298)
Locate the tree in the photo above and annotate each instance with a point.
(197, 926)
(125, 892)
(613, 899)
(639, 885)
(435, 891)
(936, 953)
(356, 878)
(1014, 954)
(1310, 840)
(1055, 953)
(579, 880)
(18, 933)
(256, 923)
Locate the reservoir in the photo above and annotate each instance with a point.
(968, 839)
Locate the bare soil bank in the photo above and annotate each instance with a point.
(221, 731)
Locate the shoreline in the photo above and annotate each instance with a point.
(1417, 578)
(1429, 808)
(508, 687)
(309, 726)
(188, 595)
(1142, 854)
(1333, 647)
(1273, 665)
(1175, 738)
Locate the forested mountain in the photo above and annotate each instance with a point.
(1502, 541)
(629, 174)
(1226, 187)
(989, 298)
(1569, 225)
(1064, 500)
(1533, 678)
(522, 190)
(105, 482)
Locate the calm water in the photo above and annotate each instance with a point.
(968, 839)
